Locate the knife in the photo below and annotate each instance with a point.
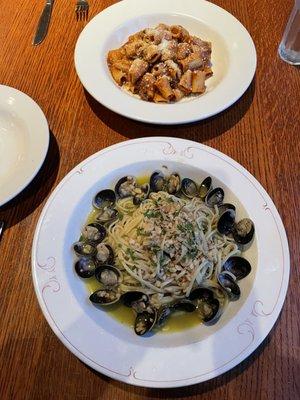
(43, 24)
(1, 228)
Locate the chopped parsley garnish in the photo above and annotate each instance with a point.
(120, 216)
(152, 214)
(186, 227)
(155, 248)
(190, 242)
(192, 252)
(164, 259)
(180, 227)
(131, 254)
(141, 232)
(189, 227)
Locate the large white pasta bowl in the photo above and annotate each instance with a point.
(164, 359)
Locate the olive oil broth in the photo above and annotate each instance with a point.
(176, 322)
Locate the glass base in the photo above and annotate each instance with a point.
(290, 56)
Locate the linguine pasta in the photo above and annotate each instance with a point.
(167, 245)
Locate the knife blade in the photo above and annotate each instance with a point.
(1, 228)
(43, 23)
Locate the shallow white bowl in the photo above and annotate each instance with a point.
(233, 57)
(170, 359)
(24, 140)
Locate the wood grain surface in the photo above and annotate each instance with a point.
(261, 131)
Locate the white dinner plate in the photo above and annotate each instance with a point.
(233, 57)
(164, 359)
(24, 140)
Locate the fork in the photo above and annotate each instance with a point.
(82, 10)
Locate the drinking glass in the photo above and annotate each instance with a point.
(289, 48)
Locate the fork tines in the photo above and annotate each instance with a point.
(82, 10)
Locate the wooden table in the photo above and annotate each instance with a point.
(261, 131)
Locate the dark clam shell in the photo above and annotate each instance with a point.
(144, 322)
(107, 215)
(157, 181)
(84, 249)
(225, 207)
(85, 267)
(104, 198)
(226, 222)
(189, 188)
(215, 197)
(135, 299)
(207, 305)
(94, 232)
(205, 187)
(105, 297)
(170, 184)
(238, 266)
(163, 313)
(105, 254)
(208, 309)
(173, 184)
(108, 275)
(139, 197)
(231, 287)
(125, 186)
(201, 293)
(184, 305)
(244, 231)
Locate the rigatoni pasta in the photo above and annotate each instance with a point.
(162, 64)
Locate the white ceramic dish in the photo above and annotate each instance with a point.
(163, 360)
(24, 140)
(233, 57)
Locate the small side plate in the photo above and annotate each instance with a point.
(24, 141)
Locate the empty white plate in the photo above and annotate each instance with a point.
(24, 140)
